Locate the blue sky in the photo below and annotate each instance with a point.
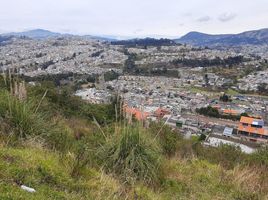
(134, 18)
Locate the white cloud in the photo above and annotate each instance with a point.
(225, 17)
(204, 19)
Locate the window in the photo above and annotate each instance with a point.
(255, 135)
(265, 137)
(256, 126)
(244, 133)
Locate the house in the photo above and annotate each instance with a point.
(231, 112)
(136, 113)
(160, 113)
(228, 132)
(253, 128)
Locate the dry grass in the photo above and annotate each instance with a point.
(249, 178)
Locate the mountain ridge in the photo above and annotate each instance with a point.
(254, 37)
(44, 34)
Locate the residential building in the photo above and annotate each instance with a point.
(253, 128)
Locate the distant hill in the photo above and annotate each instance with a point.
(35, 34)
(145, 42)
(99, 38)
(44, 34)
(5, 39)
(256, 37)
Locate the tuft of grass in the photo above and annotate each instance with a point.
(20, 116)
(132, 155)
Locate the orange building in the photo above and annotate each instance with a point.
(160, 113)
(134, 112)
(230, 112)
(252, 127)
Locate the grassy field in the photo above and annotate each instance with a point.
(49, 174)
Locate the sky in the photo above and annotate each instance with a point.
(134, 18)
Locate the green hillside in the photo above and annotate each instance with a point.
(65, 148)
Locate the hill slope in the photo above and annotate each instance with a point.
(4, 38)
(256, 37)
(44, 34)
(36, 34)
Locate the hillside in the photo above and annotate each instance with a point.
(258, 37)
(35, 34)
(4, 38)
(44, 34)
(65, 148)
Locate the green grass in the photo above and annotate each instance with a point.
(49, 174)
(132, 154)
(69, 157)
(232, 92)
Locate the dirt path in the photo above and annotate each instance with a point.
(205, 119)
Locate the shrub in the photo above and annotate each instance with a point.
(167, 138)
(208, 111)
(260, 157)
(82, 157)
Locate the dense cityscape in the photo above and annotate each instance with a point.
(175, 79)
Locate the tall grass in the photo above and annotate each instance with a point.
(20, 116)
(132, 155)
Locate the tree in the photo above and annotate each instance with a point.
(224, 98)
(263, 88)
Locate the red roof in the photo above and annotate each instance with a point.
(138, 114)
(161, 112)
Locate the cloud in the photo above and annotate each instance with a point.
(137, 31)
(204, 19)
(225, 17)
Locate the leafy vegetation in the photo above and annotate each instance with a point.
(204, 62)
(67, 149)
(214, 112)
(145, 42)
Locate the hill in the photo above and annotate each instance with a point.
(35, 34)
(5, 38)
(256, 37)
(44, 34)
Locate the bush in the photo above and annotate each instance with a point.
(208, 111)
(82, 158)
(167, 138)
(260, 157)
(62, 101)
(132, 155)
(227, 156)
